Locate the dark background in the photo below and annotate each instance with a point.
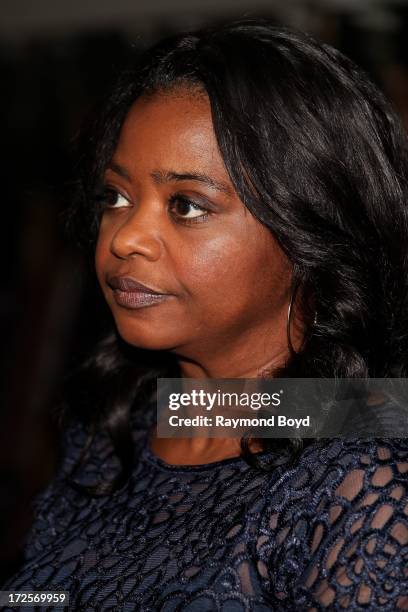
(56, 60)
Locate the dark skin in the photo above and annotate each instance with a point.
(228, 279)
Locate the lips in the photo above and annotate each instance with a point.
(131, 285)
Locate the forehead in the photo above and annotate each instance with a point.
(169, 127)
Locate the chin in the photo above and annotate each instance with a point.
(149, 337)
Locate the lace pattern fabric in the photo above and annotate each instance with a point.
(330, 533)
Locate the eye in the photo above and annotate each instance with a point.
(188, 211)
(110, 198)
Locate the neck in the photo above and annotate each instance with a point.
(226, 368)
(256, 351)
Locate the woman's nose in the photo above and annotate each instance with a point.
(139, 234)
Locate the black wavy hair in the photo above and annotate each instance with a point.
(319, 156)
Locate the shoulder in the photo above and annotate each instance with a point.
(339, 536)
(357, 550)
(88, 457)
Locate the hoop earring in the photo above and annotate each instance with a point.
(290, 345)
(292, 297)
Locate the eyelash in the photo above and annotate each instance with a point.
(178, 197)
(102, 199)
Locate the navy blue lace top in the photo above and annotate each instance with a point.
(329, 533)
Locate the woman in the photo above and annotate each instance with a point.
(244, 196)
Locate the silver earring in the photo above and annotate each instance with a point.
(290, 345)
(292, 297)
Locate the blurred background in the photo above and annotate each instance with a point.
(56, 60)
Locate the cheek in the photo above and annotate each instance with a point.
(232, 275)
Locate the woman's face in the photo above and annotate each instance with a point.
(173, 221)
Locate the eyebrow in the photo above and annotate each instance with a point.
(165, 176)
